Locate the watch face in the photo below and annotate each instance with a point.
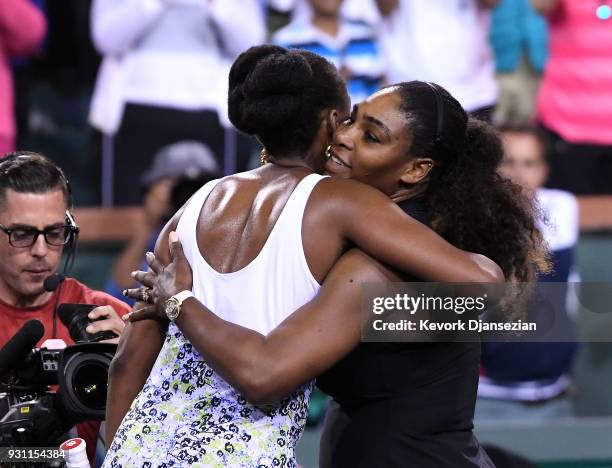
(171, 306)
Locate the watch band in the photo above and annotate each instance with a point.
(182, 296)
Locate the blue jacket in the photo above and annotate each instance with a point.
(517, 28)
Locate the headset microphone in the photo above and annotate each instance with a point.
(52, 282)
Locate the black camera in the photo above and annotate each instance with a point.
(45, 391)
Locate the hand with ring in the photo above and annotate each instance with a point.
(159, 283)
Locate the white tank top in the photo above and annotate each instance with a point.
(187, 414)
(278, 281)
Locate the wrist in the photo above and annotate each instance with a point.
(186, 306)
(174, 304)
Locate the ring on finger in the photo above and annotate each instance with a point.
(146, 295)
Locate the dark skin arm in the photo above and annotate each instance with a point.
(308, 342)
(129, 369)
(371, 221)
(346, 211)
(136, 353)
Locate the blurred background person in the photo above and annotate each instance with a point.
(519, 37)
(351, 45)
(163, 79)
(178, 170)
(532, 379)
(445, 42)
(22, 28)
(575, 100)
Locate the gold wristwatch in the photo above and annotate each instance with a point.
(173, 304)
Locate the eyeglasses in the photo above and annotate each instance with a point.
(27, 237)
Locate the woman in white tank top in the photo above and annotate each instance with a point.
(252, 265)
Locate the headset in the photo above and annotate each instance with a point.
(439, 112)
(51, 283)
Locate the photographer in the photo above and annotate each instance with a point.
(37, 225)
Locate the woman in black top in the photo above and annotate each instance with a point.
(394, 404)
(403, 404)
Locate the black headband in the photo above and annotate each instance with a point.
(439, 111)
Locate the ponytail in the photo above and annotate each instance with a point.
(476, 209)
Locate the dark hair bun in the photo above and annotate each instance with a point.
(268, 86)
(482, 136)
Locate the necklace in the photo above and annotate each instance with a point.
(266, 158)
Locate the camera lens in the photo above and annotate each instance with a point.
(84, 379)
(89, 383)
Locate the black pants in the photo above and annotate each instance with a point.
(146, 129)
(579, 168)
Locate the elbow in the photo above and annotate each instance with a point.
(261, 387)
(258, 395)
(488, 271)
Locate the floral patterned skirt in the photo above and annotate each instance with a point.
(187, 415)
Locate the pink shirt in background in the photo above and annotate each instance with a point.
(575, 97)
(22, 28)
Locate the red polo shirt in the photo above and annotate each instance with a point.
(72, 291)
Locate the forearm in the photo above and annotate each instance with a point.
(120, 394)
(417, 250)
(137, 351)
(308, 342)
(372, 222)
(243, 365)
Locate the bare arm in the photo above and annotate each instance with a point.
(137, 351)
(138, 348)
(375, 224)
(308, 342)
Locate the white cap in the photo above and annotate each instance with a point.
(75, 453)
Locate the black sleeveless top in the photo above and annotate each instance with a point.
(403, 404)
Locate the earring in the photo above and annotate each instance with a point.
(328, 152)
(263, 157)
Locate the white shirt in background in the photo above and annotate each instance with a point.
(168, 53)
(445, 42)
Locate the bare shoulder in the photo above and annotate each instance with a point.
(343, 201)
(341, 197)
